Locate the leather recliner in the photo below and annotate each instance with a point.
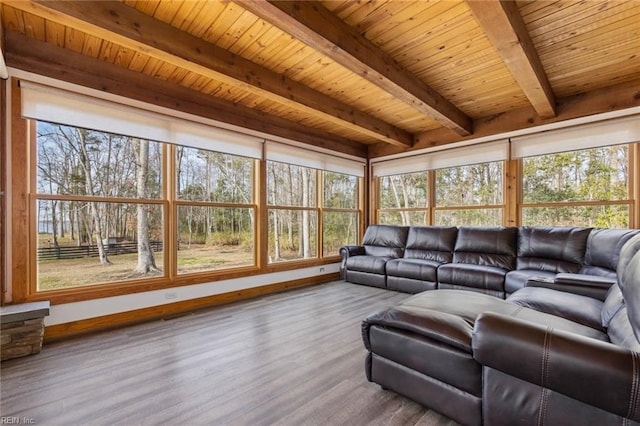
(366, 264)
(545, 252)
(428, 247)
(481, 259)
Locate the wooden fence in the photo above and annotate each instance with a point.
(77, 252)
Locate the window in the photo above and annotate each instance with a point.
(216, 212)
(403, 199)
(463, 196)
(340, 213)
(99, 214)
(455, 187)
(293, 216)
(580, 188)
(470, 195)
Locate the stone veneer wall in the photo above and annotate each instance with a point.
(22, 329)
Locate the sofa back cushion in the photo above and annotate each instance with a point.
(612, 304)
(629, 283)
(603, 251)
(486, 246)
(552, 249)
(385, 240)
(434, 243)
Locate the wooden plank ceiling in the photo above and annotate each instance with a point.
(363, 78)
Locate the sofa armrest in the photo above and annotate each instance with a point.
(596, 373)
(584, 285)
(594, 281)
(345, 252)
(441, 327)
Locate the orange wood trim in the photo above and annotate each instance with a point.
(634, 188)
(262, 214)
(431, 200)
(169, 185)
(19, 211)
(511, 185)
(60, 331)
(3, 180)
(580, 203)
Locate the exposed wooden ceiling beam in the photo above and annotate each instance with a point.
(42, 58)
(612, 98)
(135, 30)
(316, 26)
(503, 25)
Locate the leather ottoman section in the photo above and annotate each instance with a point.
(366, 278)
(467, 275)
(508, 400)
(409, 285)
(428, 357)
(441, 397)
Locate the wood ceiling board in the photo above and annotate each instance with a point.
(166, 11)
(233, 34)
(384, 24)
(138, 62)
(186, 13)
(578, 19)
(535, 10)
(429, 30)
(54, 33)
(607, 36)
(12, 19)
(146, 6)
(34, 27)
(249, 43)
(223, 23)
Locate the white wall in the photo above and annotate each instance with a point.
(68, 312)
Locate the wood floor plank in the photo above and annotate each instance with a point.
(293, 358)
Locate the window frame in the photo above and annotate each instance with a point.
(631, 201)
(319, 209)
(432, 207)
(176, 203)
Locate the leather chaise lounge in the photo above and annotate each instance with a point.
(542, 356)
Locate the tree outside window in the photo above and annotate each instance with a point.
(99, 217)
(581, 188)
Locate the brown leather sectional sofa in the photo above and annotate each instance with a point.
(542, 356)
(495, 260)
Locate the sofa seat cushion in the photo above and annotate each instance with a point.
(581, 309)
(418, 269)
(371, 264)
(516, 280)
(468, 275)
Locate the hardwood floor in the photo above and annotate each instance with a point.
(293, 358)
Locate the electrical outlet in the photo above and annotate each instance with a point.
(170, 295)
